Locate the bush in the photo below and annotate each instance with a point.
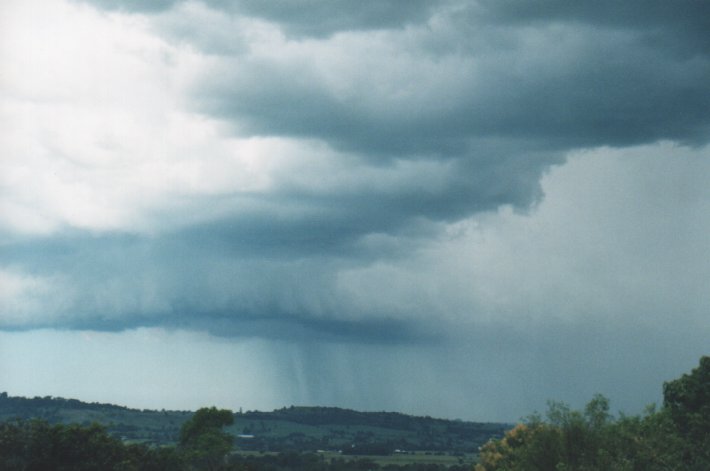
(677, 437)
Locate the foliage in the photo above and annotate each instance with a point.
(157, 428)
(293, 461)
(677, 437)
(38, 446)
(687, 400)
(203, 443)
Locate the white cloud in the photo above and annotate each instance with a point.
(95, 134)
(26, 300)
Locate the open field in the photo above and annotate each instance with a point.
(395, 459)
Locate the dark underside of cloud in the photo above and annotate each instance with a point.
(491, 94)
(304, 18)
(547, 75)
(599, 94)
(198, 282)
(686, 20)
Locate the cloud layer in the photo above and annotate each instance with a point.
(359, 176)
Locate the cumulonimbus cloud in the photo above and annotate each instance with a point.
(226, 157)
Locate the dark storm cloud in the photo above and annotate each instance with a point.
(568, 74)
(304, 18)
(459, 113)
(512, 111)
(518, 99)
(282, 327)
(333, 222)
(310, 18)
(489, 199)
(192, 281)
(289, 327)
(664, 23)
(581, 87)
(323, 17)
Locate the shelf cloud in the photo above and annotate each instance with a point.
(372, 176)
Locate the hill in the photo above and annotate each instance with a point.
(288, 429)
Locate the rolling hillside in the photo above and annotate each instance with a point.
(287, 429)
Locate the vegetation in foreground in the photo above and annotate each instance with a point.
(675, 437)
(35, 445)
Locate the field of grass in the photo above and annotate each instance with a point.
(397, 459)
(420, 457)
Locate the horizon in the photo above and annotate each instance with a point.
(449, 208)
(239, 410)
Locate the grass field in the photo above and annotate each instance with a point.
(398, 459)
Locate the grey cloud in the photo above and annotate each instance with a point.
(686, 20)
(494, 105)
(114, 283)
(304, 328)
(500, 104)
(323, 17)
(310, 18)
(282, 327)
(578, 88)
(351, 255)
(407, 201)
(598, 290)
(683, 24)
(508, 119)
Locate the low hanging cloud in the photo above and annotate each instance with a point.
(600, 288)
(270, 170)
(581, 256)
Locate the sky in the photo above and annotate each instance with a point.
(455, 208)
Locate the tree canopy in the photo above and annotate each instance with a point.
(676, 437)
(202, 440)
(38, 446)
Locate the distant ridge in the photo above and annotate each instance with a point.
(146, 426)
(295, 428)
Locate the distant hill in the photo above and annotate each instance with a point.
(158, 427)
(287, 429)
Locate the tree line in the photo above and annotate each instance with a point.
(673, 437)
(36, 445)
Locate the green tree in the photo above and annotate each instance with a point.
(38, 446)
(674, 438)
(203, 442)
(687, 400)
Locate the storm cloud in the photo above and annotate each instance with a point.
(346, 182)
